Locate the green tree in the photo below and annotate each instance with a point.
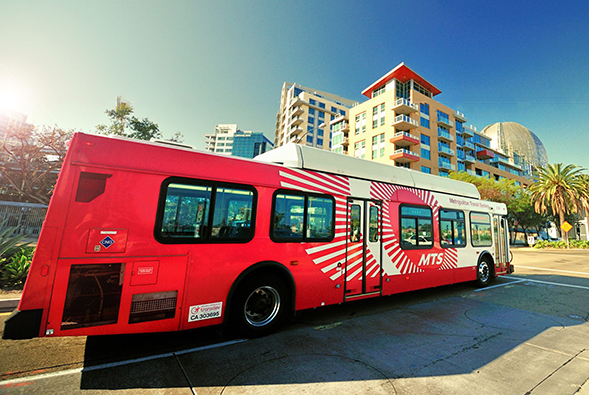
(31, 159)
(123, 123)
(559, 187)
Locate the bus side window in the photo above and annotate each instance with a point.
(232, 215)
(452, 232)
(480, 230)
(196, 213)
(186, 210)
(288, 217)
(302, 217)
(416, 227)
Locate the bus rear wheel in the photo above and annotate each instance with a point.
(260, 306)
(484, 273)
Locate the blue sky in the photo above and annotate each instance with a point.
(189, 65)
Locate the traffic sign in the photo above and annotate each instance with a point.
(566, 226)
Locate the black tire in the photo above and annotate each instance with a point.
(484, 272)
(259, 306)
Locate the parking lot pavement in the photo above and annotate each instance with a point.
(458, 345)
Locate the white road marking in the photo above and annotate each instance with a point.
(553, 270)
(499, 285)
(114, 364)
(548, 282)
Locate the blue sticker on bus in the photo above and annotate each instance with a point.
(107, 242)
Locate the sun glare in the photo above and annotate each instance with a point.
(11, 97)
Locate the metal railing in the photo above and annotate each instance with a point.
(27, 217)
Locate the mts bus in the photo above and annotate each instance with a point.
(144, 237)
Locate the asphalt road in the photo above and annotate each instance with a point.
(526, 334)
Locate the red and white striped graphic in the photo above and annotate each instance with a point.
(400, 261)
(331, 256)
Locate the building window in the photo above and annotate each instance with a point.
(424, 108)
(311, 111)
(378, 146)
(378, 91)
(321, 115)
(424, 122)
(360, 149)
(321, 105)
(361, 123)
(452, 228)
(480, 230)
(425, 153)
(311, 120)
(425, 169)
(378, 116)
(416, 227)
(312, 102)
(425, 139)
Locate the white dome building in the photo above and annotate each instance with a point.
(518, 142)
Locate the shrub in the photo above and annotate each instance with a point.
(562, 244)
(15, 272)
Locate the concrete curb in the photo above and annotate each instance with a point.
(8, 305)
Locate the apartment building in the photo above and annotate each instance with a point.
(305, 115)
(401, 123)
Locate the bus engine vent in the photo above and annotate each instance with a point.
(153, 306)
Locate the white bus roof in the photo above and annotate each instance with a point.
(308, 158)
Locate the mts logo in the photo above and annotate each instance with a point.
(431, 259)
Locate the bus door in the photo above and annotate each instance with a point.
(501, 244)
(363, 269)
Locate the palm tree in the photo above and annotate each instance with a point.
(559, 187)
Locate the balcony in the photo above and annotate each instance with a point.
(459, 116)
(445, 122)
(296, 130)
(296, 121)
(445, 135)
(445, 150)
(296, 101)
(404, 156)
(470, 172)
(403, 122)
(404, 106)
(344, 125)
(298, 110)
(468, 145)
(404, 139)
(467, 132)
(485, 154)
(469, 158)
(446, 165)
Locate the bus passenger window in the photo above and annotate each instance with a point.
(186, 210)
(301, 217)
(452, 232)
(355, 223)
(319, 218)
(480, 230)
(288, 217)
(416, 227)
(232, 214)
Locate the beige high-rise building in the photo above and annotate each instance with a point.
(305, 115)
(401, 123)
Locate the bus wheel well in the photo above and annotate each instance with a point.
(263, 269)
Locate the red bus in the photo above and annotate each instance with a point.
(147, 237)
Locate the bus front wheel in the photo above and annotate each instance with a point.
(484, 273)
(260, 306)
